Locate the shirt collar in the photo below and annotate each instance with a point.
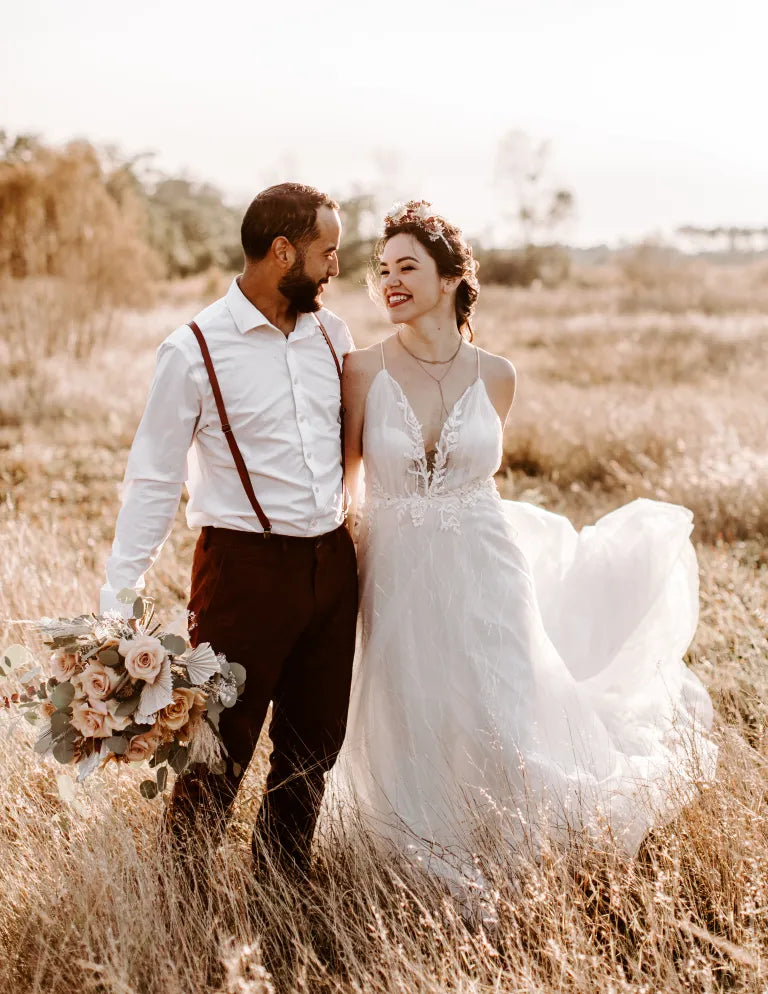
(247, 317)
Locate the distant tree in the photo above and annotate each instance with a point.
(359, 216)
(535, 209)
(63, 214)
(191, 227)
(735, 239)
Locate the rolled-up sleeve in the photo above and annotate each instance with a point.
(155, 474)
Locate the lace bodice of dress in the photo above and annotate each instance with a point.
(397, 471)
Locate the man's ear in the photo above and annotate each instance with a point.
(283, 251)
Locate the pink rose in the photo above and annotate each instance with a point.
(91, 719)
(97, 681)
(143, 657)
(64, 664)
(142, 746)
(176, 714)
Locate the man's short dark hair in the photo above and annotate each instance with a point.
(288, 209)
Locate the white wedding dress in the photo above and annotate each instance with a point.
(510, 670)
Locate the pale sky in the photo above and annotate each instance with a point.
(656, 109)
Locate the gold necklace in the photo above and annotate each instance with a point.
(432, 362)
(435, 362)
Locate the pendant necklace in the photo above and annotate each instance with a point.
(435, 362)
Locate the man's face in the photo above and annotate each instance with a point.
(315, 264)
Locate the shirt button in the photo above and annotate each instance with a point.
(316, 489)
(309, 455)
(295, 380)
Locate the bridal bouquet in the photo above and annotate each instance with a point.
(123, 691)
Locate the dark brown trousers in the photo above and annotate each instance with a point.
(286, 609)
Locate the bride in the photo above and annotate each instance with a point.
(511, 671)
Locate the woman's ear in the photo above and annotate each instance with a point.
(452, 284)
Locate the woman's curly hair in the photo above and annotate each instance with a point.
(447, 246)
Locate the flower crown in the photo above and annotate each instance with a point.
(418, 212)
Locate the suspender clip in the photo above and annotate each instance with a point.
(267, 532)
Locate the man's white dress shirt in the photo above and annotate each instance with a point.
(282, 398)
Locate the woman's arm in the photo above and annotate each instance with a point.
(360, 367)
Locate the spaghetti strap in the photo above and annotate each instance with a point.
(477, 350)
(381, 346)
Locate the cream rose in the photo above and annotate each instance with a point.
(97, 681)
(64, 664)
(142, 746)
(143, 657)
(91, 719)
(176, 714)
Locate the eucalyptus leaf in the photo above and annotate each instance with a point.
(175, 644)
(109, 657)
(64, 750)
(138, 608)
(162, 778)
(62, 695)
(118, 744)
(32, 717)
(126, 596)
(163, 752)
(127, 707)
(238, 672)
(148, 789)
(178, 759)
(60, 721)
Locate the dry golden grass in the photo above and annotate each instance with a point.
(615, 400)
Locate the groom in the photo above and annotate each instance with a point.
(245, 408)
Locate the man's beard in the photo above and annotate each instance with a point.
(300, 290)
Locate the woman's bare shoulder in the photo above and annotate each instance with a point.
(362, 361)
(497, 367)
(360, 368)
(500, 380)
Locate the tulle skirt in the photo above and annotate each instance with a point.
(516, 674)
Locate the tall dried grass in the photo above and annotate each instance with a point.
(610, 404)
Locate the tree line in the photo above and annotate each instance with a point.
(89, 214)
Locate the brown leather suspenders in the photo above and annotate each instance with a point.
(237, 455)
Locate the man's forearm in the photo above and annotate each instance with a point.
(143, 525)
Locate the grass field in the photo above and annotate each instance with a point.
(628, 386)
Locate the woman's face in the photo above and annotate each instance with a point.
(409, 280)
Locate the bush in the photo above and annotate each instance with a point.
(550, 264)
